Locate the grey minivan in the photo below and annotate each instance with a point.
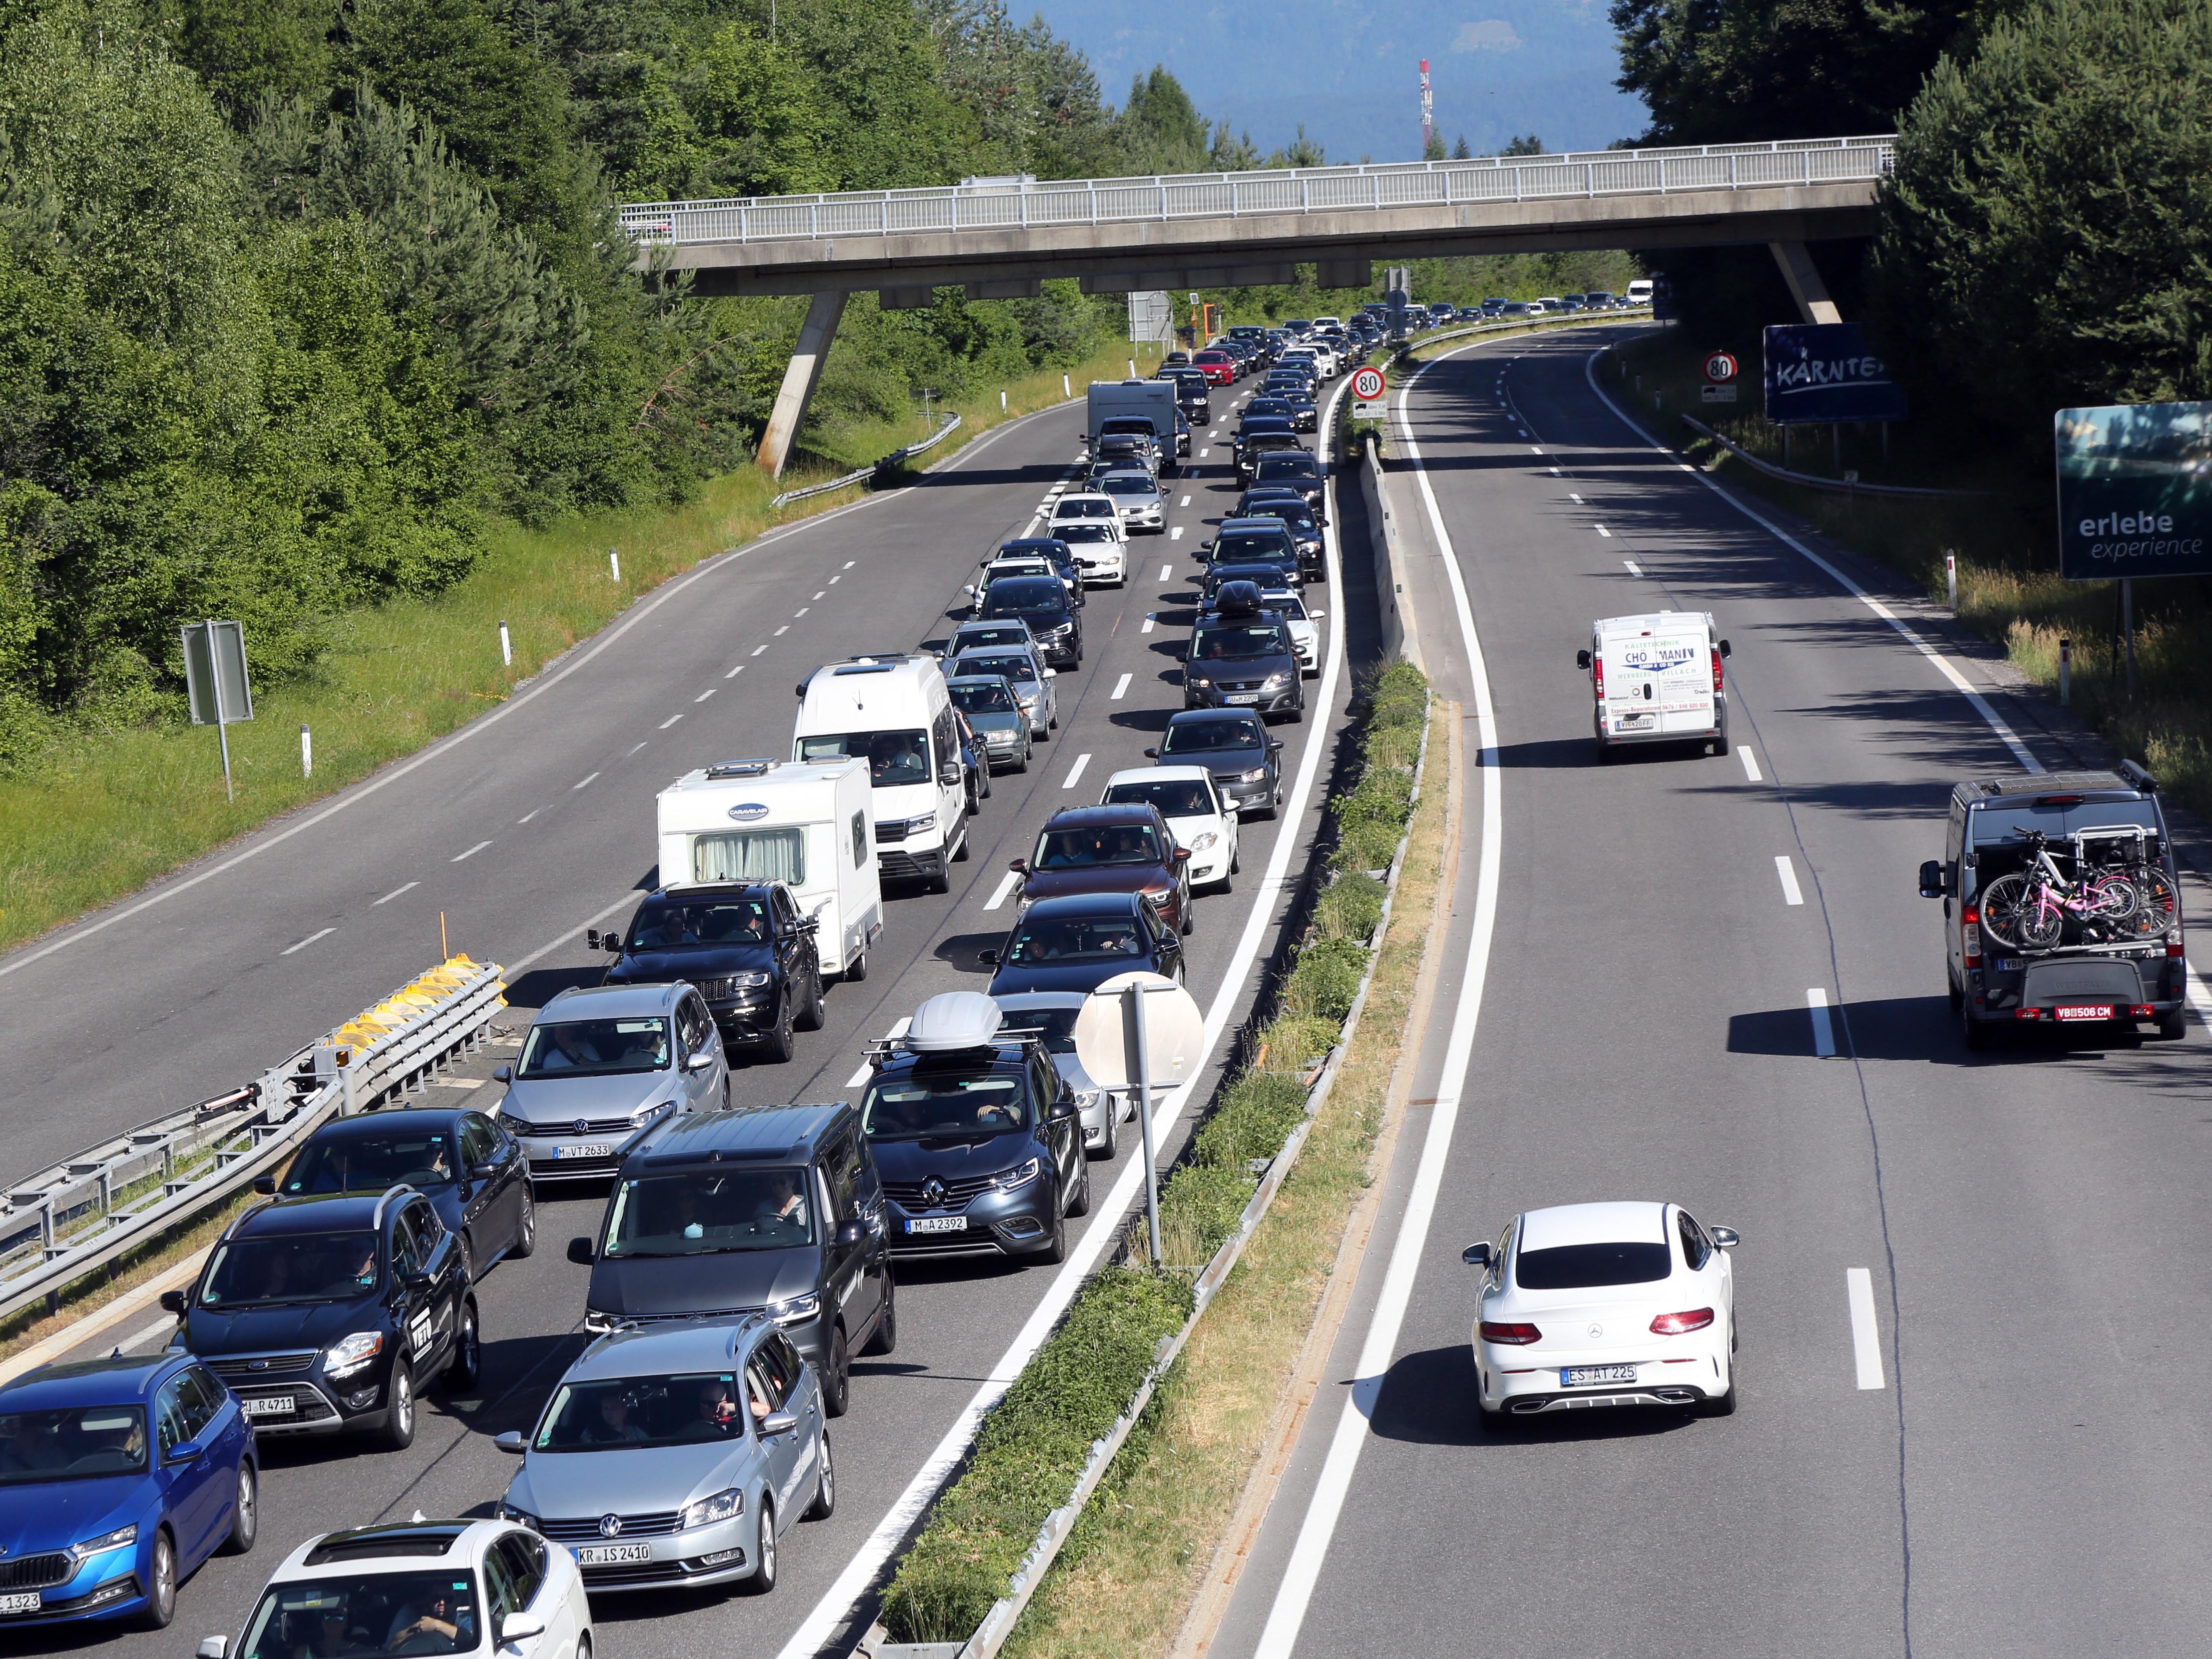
(774, 1210)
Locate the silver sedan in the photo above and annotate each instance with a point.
(1138, 498)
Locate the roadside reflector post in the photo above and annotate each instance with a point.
(1064, 391)
(2065, 671)
(1132, 368)
(1951, 580)
(306, 753)
(1143, 1081)
(1002, 400)
(506, 647)
(614, 563)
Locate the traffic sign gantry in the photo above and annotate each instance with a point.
(1368, 384)
(1720, 367)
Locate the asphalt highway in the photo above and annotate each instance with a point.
(539, 820)
(2004, 1452)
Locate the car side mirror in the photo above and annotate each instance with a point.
(213, 1647)
(580, 1252)
(1931, 879)
(1062, 1109)
(969, 590)
(188, 1452)
(510, 1442)
(1476, 1255)
(482, 1172)
(502, 1073)
(265, 1185)
(849, 1232)
(1152, 754)
(1052, 673)
(1274, 745)
(173, 1302)
(417, 1281)
(1019, 866)
(1317, 615)
(698, 1062)
(987, 957)
(1725, 650)
(949, 776)
(1182, 856)
(1727, 1237)
(1581, 660)
(517, 1627)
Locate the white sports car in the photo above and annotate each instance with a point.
(1605, 1304)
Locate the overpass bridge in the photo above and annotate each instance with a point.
(1000, 238)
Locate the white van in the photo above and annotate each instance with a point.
(1639, 291)
(893, 712)
(808, 826)
(1656, 678)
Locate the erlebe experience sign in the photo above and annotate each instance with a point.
(2134, 490)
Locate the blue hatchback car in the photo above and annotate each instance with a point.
(118, 1478)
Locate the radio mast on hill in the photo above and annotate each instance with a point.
(1428, 112)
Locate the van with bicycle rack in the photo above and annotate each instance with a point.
(2061, 905)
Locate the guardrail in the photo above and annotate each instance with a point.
(1029, 204)
(83, 1212)
(1813, 480)
(945, 424)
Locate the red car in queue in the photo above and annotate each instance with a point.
(1127, 847)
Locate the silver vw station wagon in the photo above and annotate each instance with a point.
(676, 1455)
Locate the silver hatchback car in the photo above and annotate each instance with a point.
(603, 1065)
(677, 1454)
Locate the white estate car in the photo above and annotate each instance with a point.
(1138, 494)
(1305, 638)
(421, 1587)
(1605, 1304)
(1100, 547)
(1203, 825)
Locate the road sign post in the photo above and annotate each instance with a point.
(1721, 372)
(215, 682)
(1134, 1031)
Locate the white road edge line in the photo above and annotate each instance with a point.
(1824, 1023)
(1121, 685)
(1074, 772)
(1310, 1552)
(867, 1562)
(305, 943)
(1007, 883)
(1750, 763)
(1792, 893)
(1866, 1334)
(396, 892)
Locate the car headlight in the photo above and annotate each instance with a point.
(926, 821)
(725, 1505)
(1087, 1098)
(1201, 683)
(1205, 841)
(1020, 1176)
(645, 1115)
(1274, 682)
(1257, 774)
(748, 981)
(507, 1511)
(104, 1542)
(795, 1310)
(349, 1356)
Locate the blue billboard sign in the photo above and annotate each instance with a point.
(1820, 373)
(2134, 490)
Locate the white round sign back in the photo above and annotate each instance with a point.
(1174, 1032)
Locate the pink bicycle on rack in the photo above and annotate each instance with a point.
(2029, 910)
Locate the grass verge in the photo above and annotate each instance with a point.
(1033, 1446)
(2006, 544)
(108, 812)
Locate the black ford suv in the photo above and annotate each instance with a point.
(776, 1209)
(743, 946)
(330, 1313)
(2061, 905)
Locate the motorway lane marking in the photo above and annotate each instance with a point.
(703, 695)
(1186, 500)
(1750, 763)
(834, 581)
(1866, 1334)
(1576, 499)
(1203, 454)
(801, 611)
(1634, 568)
(306, 942)
(849, 563)
(1151, 617)
(1557, 473)
(1007, 883)
(1121, 685)
(409, 888)
(897, 1031)
(734, 672)
(1824, 1023)
(1175, 534)
(1309, 1552)
(818, 596)
(781, 632)
(1790, 892)
(1166, 571)
(583, 783)
(1603, 532)
(862, 1568)
(758, 650)
(1534, 449)
(669, 721)
(1074, 772)
(470, 854)
(1910, 635)
(552, 945)
(635, 747)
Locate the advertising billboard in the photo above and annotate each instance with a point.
(2134, 490)
(1820, 373)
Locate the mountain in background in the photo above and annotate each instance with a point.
(1350, 74)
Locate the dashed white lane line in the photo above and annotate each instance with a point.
(1120, 689)
(1557, 473)
(1634, 568)
(1533, 448)
(1186, 500)
(530, 814)
(801, 611)
(470, 854)
(818, 596)
(1576, 499)
(849, 563)
(669, 721)
(583, 782)
(396, 891)
(1750, 763)
(1074, 772)
(834, 581)
(1203, 454)
(1007, 883)
(1603, 532)
(1866, 1334)
(1151, 617)
(1788, 871)
(758, 650)
(897, 1031)
(1166, 571)
(1824, 1024)
(781, 632)
(734, 672)
(1175, 534)
(305, 943)
(635, 747)
(703, 695)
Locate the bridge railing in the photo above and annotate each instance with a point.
(1028, 204)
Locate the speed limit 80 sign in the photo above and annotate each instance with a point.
(1720, 367)
(1368, 384)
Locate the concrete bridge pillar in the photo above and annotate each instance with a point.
(823, 313)
(1805, 284)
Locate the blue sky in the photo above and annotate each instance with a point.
(1352, 72)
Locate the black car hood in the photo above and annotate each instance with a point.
(700, 1284)
(692, 963)
(1085, 975)
(947, 1158)
(216, 1331)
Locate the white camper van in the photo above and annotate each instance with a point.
(1657, 679)
(893, 712)
(1639, 291)
(810, 827)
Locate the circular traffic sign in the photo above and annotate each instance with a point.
(1368, 384)
(1175, 1031)
(1720, 367)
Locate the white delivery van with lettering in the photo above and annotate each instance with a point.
(810, 827)
(1656, 678)
(893, 711)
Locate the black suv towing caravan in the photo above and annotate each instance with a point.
(2061, 905)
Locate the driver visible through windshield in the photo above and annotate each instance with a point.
(610, 1413)
(1200, 737)
(893, 757)
(671, 927)
(710, 1213)
(1085, 849)
(291, 1268)
(372, 1163)
(595, 1048)
(82, 1443)
(920, 1106)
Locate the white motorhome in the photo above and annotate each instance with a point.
(1656, 678)
(1118, 405)
(808, 826)
(893, 712)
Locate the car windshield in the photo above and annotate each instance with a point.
(595, 1048)
(1271, 406)
(1056, 1027)
(1025, 565)
(611, 1414)
(359, 1615)
(290, 1268)
(1586, 1267)
(1295, 514)
(991, 699)
(1266, 545)
(674, 927)
(1079, 508)
(1290, 467)
(1075, 939)
(1207, 737)
(974, 636)
(1105, 844)
(1021, 596)
(893, 757)
(1086, 533)
(1008, 667)
(709, 1212)
(1176, 798)
(924, 1104)
(1230, 642)
(1132, 426)
(71, 1444)
(1128, 483)
(372, 1162)
(1285, 601)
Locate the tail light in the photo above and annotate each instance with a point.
(1716, 668)
(1597, 676)
(1518, 1336)
(1681, 1324)
(1969, 942)
(2174, 944)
